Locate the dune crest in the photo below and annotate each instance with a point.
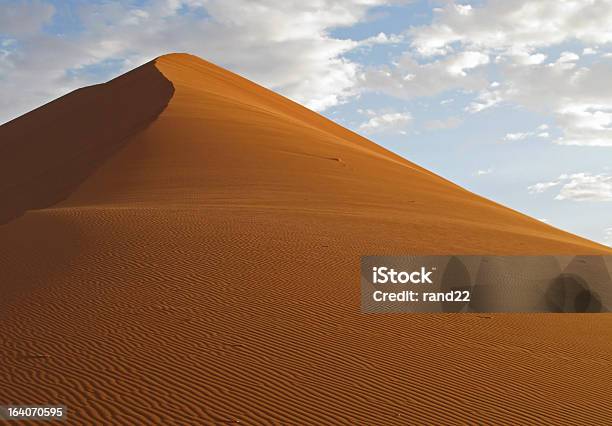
(181, 246)
(223, 141)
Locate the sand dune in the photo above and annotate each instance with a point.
(182, 246)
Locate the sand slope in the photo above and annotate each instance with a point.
(203, 267)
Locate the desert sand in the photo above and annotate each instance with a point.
(181, 246)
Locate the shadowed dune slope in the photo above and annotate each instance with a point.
(46, 153)
(190, 255)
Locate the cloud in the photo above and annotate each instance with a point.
(542, 186)
(386, 122)
(284, 45)
(502, 25)
(525, 57)
(567, 57)
(516, 34)
(24, 17)
(579, 98)
(407, 78)
(516, 136)
(579, 187)
(586, 124)
(484, 172)
(485, 100)
(465, 61)
(540, 132)
(382, 38)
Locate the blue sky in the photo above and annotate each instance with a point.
(509, 99)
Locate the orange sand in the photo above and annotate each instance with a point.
(182, 246)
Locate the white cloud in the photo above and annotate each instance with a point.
(382, 38)
(567, 57)
(464, 10)
(285, 45)
(586, 187)
(516, 136)
(465, 61)
(521, 55)
(540, 132)
(24, 17)
(484, 172)
(586, 124)
(516, 34)
(407, 78)
(501, 25)
(528, 59)
(386, 122)
(486, 99)
(579, 187)
(578, 97)
(542, 186)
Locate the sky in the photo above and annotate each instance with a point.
(509, 99)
